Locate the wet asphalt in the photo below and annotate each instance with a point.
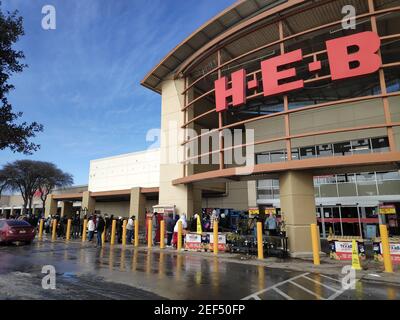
(85, 272)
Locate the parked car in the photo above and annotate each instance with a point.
(16, 230)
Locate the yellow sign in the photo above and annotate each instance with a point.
(270, 210)
(253, 211)
(199, 228)
(389, 209)
(355, 259)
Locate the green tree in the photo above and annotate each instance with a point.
(13, 135)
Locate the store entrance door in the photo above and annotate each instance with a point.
(330, 220)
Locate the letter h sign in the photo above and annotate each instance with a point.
(237, 91)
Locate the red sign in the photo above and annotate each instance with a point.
(365, 60)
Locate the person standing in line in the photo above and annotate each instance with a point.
(155, 227)
(101, 225)
(91, 228)
(82, 223)
(184, 227)
(170, 223)
(129, 229)
(271, 225)
(76, 225)
(47, 224)
(110, 227)
(107, 227)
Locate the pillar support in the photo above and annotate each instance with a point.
(88, 202)
(66, 209)
(297, 200)
(50, 206)
(137, 205)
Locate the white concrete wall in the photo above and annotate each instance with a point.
(126, 171)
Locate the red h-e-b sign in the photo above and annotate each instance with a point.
(366, 59)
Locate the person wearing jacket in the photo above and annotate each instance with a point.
(101, 225)
(155, 227)
(184, 227)
(120, 222)
(76, 225)
(129, 229)
(170, 224)
(91, 228)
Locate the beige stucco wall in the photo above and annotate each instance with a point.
(342, 116)
(237, 198)
(394, 105)
(120, 208)
(171, 152)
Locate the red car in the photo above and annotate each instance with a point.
(16, 230)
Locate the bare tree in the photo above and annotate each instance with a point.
(51, 178)
(32, 177)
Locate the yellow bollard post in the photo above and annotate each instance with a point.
(162, 234)
(41, 230)
(68, 235)
(315, 243)
(385, 248)
(124, 232)
(113, 227)
(84, 230)
(103, 237)
(260, 244)
(54, 235)
(136, 233)
(215, 246)
(179, 244)
(149, 234)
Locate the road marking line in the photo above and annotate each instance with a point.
(282, 294)
(322, 284)
(306, 290)
(333, 279)
(274, 286)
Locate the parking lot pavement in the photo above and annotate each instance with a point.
(86, 272)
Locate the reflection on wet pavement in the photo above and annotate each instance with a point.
(115, 273)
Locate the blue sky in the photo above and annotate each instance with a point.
(83, 80)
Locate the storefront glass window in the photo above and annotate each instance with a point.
(264, 184)
(392, 175)
(337, 221)
(342, 149)
(278, 156)
(295, 154)
(263, 158)
(366, 184)
(361, 146)
(264, 194)
(380, 144)
(275, 192)
(348, 177)
(388, 182)
(307, 152)
(350, 221)
(324, 150)
(371, 212)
